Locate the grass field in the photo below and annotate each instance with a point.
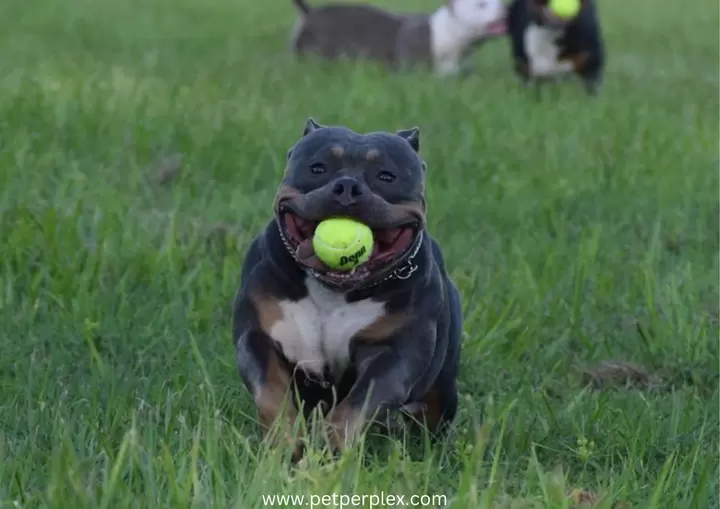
(140, 147)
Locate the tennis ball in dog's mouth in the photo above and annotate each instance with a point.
(342, 243)
(564, 8)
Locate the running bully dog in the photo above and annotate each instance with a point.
(545, 46)
(440, 40)
(383, 338)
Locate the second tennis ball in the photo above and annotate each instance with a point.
(565, 8)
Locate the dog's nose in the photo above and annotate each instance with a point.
(347, 190)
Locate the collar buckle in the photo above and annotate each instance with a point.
(409, 267)
(405, 271)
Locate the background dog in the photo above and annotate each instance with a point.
(545, 46)
(382, 337)
(356, 31)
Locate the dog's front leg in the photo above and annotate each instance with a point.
(447, 65)
(264, 374)
(387, 373)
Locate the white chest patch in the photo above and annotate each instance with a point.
(543, 52)
(316, 331)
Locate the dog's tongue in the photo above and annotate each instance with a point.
(306, 254)
(388, 236)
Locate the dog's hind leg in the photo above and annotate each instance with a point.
(300, 38)
(588, 67)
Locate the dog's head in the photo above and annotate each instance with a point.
(377, 179)
(484, 18)
(543, 14)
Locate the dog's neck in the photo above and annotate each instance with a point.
(448, 36)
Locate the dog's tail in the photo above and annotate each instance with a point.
(302, 6)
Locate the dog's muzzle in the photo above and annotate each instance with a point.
(397, 232)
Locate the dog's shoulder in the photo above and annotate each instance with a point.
(584, 35)
(437, 254)
(586, 27)
(268, 265)
(433, 281)
(253, 257)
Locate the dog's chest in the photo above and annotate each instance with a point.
(543, 50)
(316, 331)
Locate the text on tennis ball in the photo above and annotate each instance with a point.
(353, 258)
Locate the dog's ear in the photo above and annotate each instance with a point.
(311, 125)
(412, 136)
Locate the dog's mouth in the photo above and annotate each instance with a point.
(390, 246)
(497, 27)
(553, 19)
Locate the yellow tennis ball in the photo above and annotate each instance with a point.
(342, 243)
(565, 8)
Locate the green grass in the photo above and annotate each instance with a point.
(578, 231)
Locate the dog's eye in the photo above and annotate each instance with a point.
(386, 176)
(317, 168)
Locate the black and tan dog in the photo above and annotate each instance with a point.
(382, 338)
(545, 46)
